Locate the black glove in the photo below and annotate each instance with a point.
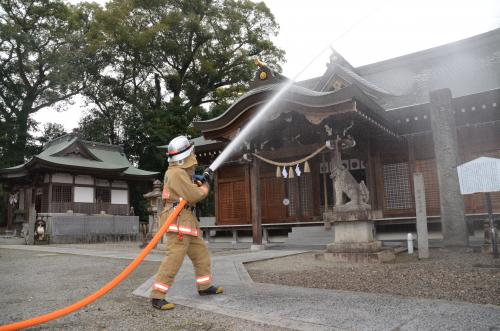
(198, 178)
(208, 175)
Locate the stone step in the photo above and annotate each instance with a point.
(310, 235)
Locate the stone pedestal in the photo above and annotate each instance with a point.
(354, 240)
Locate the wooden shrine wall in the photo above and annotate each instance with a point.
(398, 164)
(233, 196)
(393, 163)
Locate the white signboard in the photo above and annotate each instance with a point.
(84, 194)
(119, 197)
(479, 175)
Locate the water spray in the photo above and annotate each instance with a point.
(226, 153)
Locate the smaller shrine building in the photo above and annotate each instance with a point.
(72, 176)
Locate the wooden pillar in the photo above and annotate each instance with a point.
(216, 196)
(379, 179)
(10, 213)
(370, 174)
(411, 164)
(255, 204)
(444, 134)
(29, 198)
(49, 193)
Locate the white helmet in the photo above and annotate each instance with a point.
(179, 148)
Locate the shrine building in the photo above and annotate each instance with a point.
(71, 180)
(389, 120)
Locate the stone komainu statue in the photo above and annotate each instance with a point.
(356, 192)
(344, 182)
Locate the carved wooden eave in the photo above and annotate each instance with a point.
(350, 103)
(77, 150)
(348, 76)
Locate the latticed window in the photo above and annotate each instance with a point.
(306, 194)
(397, 193)
(102, 194)
(62, 193)
(300, 196)
(232, 202)
(293, 197)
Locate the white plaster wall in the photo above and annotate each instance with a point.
(119, 197)
(84, 194)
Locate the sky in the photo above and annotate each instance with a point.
(362, 31)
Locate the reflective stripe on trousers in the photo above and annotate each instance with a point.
(162, 287)
(203, 279)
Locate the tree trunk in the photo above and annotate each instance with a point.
(16, 151)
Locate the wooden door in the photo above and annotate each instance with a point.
(272, 194)
(233, 203)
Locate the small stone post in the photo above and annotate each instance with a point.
(444, 134)
(422, 234)
(30, 236)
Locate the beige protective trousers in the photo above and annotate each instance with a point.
(191, 245)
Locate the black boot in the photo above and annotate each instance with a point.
(162, 304)
(211, 290)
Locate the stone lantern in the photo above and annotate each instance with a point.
(155, 206)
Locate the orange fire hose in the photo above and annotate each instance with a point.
(106, 288)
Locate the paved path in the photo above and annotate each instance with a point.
(302, 308)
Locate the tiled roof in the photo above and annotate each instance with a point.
(466, 67)
(94, 156)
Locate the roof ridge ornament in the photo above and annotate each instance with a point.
(336, 58)
(265, 75)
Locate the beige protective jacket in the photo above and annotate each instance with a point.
(178, 183)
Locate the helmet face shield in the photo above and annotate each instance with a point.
(179, 149)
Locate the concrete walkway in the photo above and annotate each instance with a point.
(302, 308)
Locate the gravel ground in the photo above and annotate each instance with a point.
(448, 275)
(35, 283)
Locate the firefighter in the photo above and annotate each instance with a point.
(183, 235)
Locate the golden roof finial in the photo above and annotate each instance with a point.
(259, 63)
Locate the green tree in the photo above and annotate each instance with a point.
(163, 63)
(163, 60)
(42, 57)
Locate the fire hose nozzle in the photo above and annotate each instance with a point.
(208, 175)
